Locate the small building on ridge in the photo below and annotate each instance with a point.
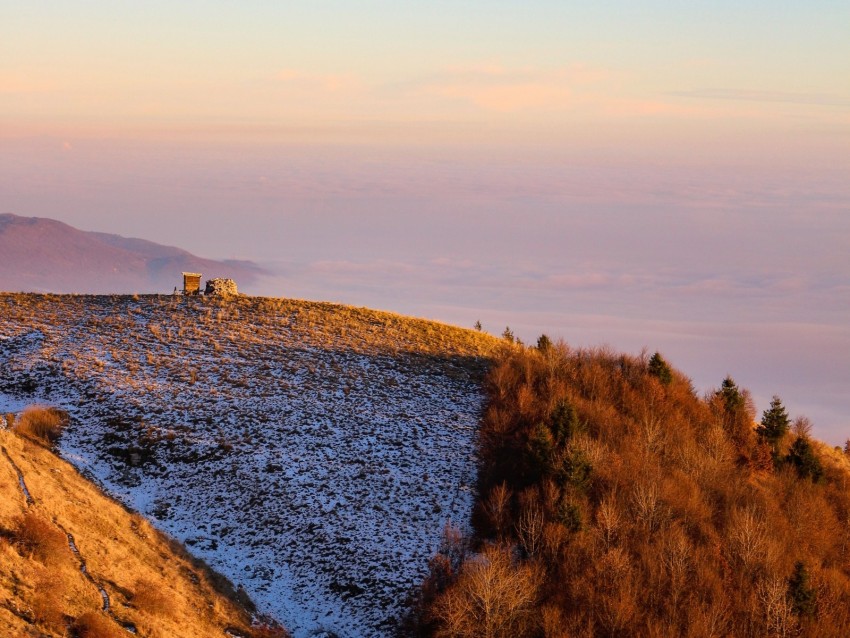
(191, 283)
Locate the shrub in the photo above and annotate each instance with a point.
(94, 625)
(152, 598)
(48, 602)
(37, 538)
(42, 424)
(266, 630)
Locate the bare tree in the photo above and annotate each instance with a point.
(646, 504)
(497, 508)
(802, 427)
(747, 536)
(493, 598)
(775, 606)
(676, 554)
(608, 521)
(529, 529)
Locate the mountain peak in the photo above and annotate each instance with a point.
(46, 255)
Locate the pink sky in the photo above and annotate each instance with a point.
(675, 177)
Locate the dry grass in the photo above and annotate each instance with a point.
(37, 538)
(44, 424)
(152, 598)
(152, 582)
(94, 625)
(155, 351)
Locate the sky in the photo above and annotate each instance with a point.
(670, 176)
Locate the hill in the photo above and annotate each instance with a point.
(310, 452)
(614, 501)
(72, 558)
(45, 255)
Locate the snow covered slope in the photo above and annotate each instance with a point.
(312, 453)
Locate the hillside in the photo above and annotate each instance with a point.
(53, 522)
(44, 255)
(310, 452)
(614, 501)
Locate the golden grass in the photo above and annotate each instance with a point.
(43, 424)
(152, 582)
(252, 320)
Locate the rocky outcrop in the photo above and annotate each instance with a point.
(221, 287)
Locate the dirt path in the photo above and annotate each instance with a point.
(29, 499)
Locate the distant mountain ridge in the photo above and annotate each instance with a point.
(44, 255)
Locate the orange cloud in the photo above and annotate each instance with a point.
(500, 89)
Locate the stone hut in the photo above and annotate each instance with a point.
(221, 287)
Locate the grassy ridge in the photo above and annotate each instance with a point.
(310, 451)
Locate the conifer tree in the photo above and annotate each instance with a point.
(733, 400)
(660, 369)
(801, 593)
(805, 461)
(774, 423)
(563, 422)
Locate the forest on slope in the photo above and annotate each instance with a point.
(615, 501)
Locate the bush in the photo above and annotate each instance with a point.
(94, 625)
(48, 601)
(266, 630)
(152, 598)
(37, 538)
(42, 424)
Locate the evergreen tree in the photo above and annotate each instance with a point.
(805, 461)
(659, 369)
(733, 400)
(563, 422)
(540, 455)
(478, 326)
(801, 593)
(508, 335)
(544, 344)
(774, 423)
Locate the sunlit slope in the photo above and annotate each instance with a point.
(135, 578)
(613, 500)
(311, 452)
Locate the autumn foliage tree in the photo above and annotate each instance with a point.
(612, 502)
